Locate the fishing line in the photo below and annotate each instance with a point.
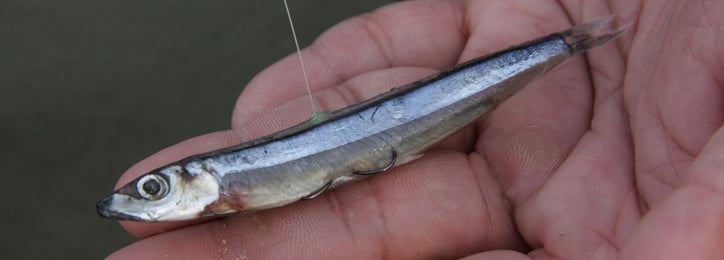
(301, 59)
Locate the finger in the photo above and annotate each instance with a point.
(494, 25)
(673, 93)
(707, 170)
(434, 208)
(686, 225)
(415, 33)
(689, 224)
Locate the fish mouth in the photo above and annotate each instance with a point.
(104, 207)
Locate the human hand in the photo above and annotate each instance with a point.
(617, 154)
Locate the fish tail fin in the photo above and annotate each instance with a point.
(586, 36)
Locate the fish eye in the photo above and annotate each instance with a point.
(152, 187)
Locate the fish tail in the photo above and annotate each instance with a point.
(586, 36)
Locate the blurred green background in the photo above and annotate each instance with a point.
(89, 87)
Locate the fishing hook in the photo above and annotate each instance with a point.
(387, 167)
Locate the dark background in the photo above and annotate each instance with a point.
(89, 87)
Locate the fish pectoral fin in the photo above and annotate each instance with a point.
(318, 192)
(383, 169)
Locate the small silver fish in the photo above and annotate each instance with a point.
(349, 144)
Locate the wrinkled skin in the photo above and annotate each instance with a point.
(617, 153)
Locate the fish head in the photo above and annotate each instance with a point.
(167, 194)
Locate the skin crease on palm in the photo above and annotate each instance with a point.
(618, 153)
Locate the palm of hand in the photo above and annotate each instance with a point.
(614, 154)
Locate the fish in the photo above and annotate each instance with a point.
(353, 143)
